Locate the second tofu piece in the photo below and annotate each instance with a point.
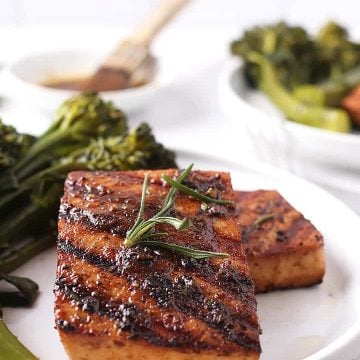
(284, 250)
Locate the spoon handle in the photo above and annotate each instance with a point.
(161, 15)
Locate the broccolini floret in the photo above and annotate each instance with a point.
(12, 145)
(79, 119)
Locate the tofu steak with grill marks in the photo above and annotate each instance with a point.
(142, 303)
(285, 250)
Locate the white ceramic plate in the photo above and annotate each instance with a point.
(276, 139)
(321, 322)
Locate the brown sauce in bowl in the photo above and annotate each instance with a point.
(105, 79)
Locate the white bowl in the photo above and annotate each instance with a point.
(276, 139)
(22, 79)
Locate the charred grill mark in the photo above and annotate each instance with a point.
(288, 230)
(168, 323)
(98, 261)
(112, 224)
(128, 317)
(65, 325)
(122, 219)
(227, 278)
(180, 294)
(233, 281)
(184, 296)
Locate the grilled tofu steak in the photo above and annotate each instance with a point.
(283, 249)
(145, 303)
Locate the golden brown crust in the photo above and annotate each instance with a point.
(284, 249)
(291, 270)
(175, 305)
(87, 347)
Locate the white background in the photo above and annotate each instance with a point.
(203, 12)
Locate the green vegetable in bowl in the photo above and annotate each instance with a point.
(336, 50)
(313, 115)
(343, 58)
(306, 77)
(289, 49)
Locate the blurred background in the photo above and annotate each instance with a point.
(203, 12)
(194, 48)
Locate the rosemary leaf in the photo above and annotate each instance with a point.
(263, 218)
(178, 224)
(184, 250)
(170, 197)
(142, 206)
(186, 190)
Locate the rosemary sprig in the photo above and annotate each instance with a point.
(143, 230)
(184, 250)
(195, 194)
(263, 219)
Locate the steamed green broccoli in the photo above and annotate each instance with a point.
(297, 57)
(336, 49)
(341, 58)
(288, 48)
(311, 73)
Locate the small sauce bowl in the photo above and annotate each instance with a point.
(24, 79)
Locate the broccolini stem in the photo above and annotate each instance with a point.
(20, 224)
(24, 168)
(21, 255)
(10, 347)
(58, 170)
(322, 117)
(32, 167)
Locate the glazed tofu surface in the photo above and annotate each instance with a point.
(145, 303)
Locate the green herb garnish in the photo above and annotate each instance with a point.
(144, 230)
(184, 250)
(195, 194)
(263, 218)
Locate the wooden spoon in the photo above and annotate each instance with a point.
(116, 71)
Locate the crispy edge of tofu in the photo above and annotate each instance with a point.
(302, 268)
(86, 347)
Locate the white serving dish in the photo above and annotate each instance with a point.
(23, 77)
(276, 139)
(317, 323)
